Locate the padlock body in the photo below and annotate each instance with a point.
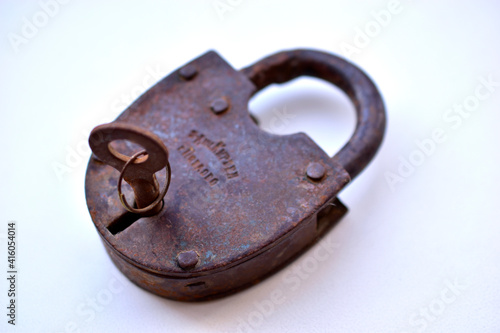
(229, 280)
(239, 197)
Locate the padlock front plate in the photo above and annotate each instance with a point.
(235, 190)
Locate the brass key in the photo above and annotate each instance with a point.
(138, 170)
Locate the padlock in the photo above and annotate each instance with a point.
(234, 203)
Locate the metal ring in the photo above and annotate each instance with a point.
(152, 205)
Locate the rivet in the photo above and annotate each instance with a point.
(187, 259)
(188, 72)
(219, 105)
(315, 171)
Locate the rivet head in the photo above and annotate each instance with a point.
(187, 259)
(315, 171)
(219, 105)
(188, 72)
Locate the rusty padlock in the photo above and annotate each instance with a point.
(236, 203)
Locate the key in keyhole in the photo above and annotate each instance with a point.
(137, 170)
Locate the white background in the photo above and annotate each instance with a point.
(398, 250)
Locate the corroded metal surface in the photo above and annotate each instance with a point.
(242, 202)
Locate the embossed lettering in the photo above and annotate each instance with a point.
(189, 154)
(218, 150)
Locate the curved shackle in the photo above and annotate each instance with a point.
(367, 137)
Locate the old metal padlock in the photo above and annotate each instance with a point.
(235, 203)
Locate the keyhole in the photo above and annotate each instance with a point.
(309, 105)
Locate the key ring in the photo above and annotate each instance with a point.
(138, 173)
(154, 203)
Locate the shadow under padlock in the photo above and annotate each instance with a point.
(237, 203)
